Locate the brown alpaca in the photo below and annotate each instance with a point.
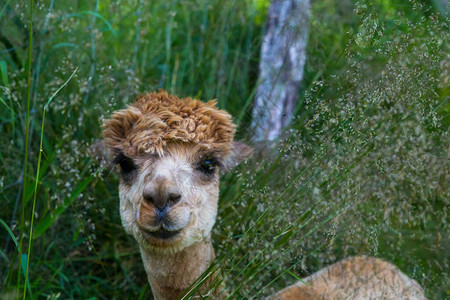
(169, 152)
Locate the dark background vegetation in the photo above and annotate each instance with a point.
(363, 170)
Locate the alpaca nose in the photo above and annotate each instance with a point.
(161, 198)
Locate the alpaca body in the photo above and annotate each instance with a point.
(358, 277)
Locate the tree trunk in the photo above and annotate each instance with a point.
(281, 66)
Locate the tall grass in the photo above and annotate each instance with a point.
(25, 165)
(363, 170)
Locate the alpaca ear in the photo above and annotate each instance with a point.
(239, 152)
(100, 154)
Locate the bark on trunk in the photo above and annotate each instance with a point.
(281, 66)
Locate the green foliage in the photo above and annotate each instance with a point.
(363, 170)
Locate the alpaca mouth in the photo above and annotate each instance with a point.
(162, 233)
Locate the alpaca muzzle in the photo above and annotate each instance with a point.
(162, 223)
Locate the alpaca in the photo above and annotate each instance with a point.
(169, 152)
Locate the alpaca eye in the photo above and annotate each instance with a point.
(126, 164)
(208, 165)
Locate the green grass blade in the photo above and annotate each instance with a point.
(4, 73)
(7, 106)
(4, 8)
(36, 183)
(24, 265)
(3, 254)
(10, 233)
(27, 136)
(60, 88)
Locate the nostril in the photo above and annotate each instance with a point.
(174, 198)
(148, 197)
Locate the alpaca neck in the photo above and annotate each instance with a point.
(170, 275)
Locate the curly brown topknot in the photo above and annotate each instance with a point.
(155, 119)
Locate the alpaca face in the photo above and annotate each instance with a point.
(169, 152)
(169, 202)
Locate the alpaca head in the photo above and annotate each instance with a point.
(170, 152)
